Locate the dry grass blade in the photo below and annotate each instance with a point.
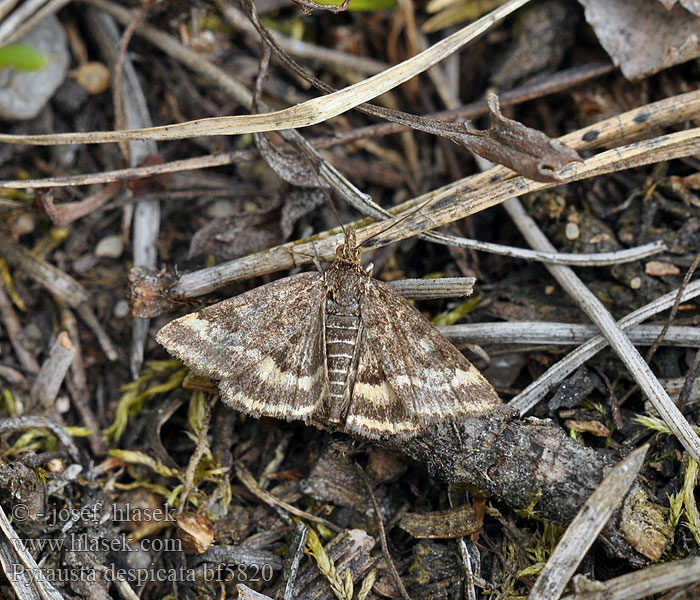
(307, 113)
(645, 582)
(560, 334)
(20, 567)
(584, 529)
(559, 82)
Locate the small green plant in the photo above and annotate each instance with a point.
(22, 57)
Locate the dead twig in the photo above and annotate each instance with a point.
(53, 371)
(13, 328)
(674, 309)
(36, 422)
(560, 334)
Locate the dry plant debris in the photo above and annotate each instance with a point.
(123, 476)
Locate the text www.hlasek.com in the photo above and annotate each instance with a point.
(87, 543)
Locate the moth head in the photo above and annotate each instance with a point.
(349, 252)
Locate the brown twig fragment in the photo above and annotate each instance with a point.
(13, 329)
(53, 371)
(65, 213)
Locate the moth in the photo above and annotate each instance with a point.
(339, 349)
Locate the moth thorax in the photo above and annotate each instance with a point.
(344, 285)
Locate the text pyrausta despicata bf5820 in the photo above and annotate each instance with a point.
(338, 348)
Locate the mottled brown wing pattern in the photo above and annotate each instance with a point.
(264, 347)
(408, 375)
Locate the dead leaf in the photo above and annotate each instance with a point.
(525, 150)
(641, 36)
(453, 523)
(239, 235)
(594, 427)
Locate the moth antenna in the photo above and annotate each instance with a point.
(406, 216)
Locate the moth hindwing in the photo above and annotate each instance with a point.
(339, 349)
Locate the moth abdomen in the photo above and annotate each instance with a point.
(341, 334)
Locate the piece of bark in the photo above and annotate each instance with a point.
(520, 461)
(335, 479)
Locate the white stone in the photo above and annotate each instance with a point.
(111, 246)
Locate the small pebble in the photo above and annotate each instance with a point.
(94, 77)
(121, 309)
(626, 236)
(55, 465)
(636, 283)
(221, 209)
(62, 404)
(549, 290)
(24, 223)
(572, 231)
(658, 268)
(111, 246)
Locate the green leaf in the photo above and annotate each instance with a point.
(22, 57)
